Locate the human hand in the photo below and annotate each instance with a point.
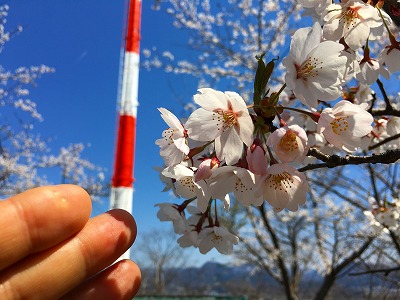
(50, 249)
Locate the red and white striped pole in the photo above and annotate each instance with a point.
(122, 181)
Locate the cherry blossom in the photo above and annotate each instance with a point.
(393, 128)
(345, 124)
(173, 144)
(364, 94)
(242, 182)
(190, 237)
(186, 186)
(378, 134)
(388, 217)
(168, 182)
(314, 69)
(318, 6)
(170, 212)
(217, 237)
(228, 138)
(375, 226)
(290, 143)
(353, 65)
(351, 20)
(385, 218)
(284, 187)
(370, 69)
(390, 56)
(223, 117)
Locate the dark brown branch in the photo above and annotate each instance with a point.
(385, 112)
(395, 240)
(385, 96)
(385, 271)
(331, 189)
(331, 161)
(260, 261)
(387, 140)
(260, 239)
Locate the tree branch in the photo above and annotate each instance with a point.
(331, 277)
(391, 138)
(280, 261)
(385, 112)
(259, 261)
(385, 271)
(331, 161)
(389, 106)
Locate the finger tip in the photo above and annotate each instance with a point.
(119, 281)
(128, 277)
(124, 216)
(133, 276)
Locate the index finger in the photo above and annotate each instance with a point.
(40, 218)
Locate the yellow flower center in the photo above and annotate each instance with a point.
(229, 118)
(308, 68)
(340, 125)
(289, 141)
(226, 118)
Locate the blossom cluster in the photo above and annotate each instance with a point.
(230, 147)
(385, 218)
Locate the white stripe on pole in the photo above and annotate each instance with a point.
(121, 197)
(130, 85)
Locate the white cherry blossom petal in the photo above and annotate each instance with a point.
(284, 187)
(229, 146)
(209, 99)
(204, 125)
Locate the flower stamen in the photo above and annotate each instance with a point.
(216, 238)
(281, 181)
(340, 124)
(350, 16)
(308, 68)
(289, 141)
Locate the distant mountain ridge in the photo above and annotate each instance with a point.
(243, 280)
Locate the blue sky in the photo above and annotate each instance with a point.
(82, 41)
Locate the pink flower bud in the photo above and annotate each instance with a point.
(206, 168)
(256, 159)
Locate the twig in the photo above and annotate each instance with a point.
(385, 96)
(385, 112)
(331, 161)
(373, 183)
(391, 138)
(385, 271)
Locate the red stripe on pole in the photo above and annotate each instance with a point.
(133, 32)
(124, 160)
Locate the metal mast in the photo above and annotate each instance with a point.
(122, 181)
